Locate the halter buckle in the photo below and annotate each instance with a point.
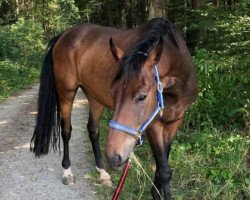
(138, 137)
(161, 113)
(137, 134)
(139, 141)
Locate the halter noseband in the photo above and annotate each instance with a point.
(137, 133)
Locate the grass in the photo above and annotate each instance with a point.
(14, 77)
(208, 164)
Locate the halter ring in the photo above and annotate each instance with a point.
(159, 87)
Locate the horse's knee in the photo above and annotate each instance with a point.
(92, 128)
(66, 136)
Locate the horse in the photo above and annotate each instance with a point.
(115, 68)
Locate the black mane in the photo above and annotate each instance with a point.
(133, 61)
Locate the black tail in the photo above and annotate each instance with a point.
(47, 128)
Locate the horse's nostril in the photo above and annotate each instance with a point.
(116, 160)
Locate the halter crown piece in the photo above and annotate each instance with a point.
(137, 133)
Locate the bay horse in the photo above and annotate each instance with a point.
(115, 68)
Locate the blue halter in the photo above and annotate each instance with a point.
(137, 133)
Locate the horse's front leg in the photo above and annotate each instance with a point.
(162, 178)
(95, 112)
(160, 137)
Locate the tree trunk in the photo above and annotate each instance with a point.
(195, 4)
(17, 9)
(216, 3)
(225, 3)
(194, 37)
(141, 8)
(130, 14)
(157, 8)
(230, 3)
(32, 10)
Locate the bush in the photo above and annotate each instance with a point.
(58, 16)
(222, 67)
(211, 165)
(22, 42)
(223, 91)
(14, 76)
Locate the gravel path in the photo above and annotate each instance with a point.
(25, 177)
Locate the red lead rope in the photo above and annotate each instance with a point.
(121, 181)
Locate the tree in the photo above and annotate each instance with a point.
(194, 36)
(157, 8)
(216, 3)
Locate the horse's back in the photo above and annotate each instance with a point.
(73, 43)
(82, 57)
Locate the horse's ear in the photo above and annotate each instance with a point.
(155, 53)
(116, 51)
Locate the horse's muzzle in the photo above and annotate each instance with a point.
(116, 161)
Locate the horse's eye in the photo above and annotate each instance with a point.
(141, 98)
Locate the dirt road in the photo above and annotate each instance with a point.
(24, 177)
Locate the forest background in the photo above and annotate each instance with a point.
(210, 156)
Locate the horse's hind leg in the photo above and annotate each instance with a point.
(95, 112)
(66, 102)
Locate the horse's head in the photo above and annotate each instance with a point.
(134, 93)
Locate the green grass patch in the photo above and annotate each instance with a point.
(208, 164)
(15, 76)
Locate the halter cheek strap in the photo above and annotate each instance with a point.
(137, 133)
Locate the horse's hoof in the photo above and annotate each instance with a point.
(68, 180)
(106, 182)
(105, 178)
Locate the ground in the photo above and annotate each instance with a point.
(25, 177)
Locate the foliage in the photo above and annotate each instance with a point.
(23, 42)
(14, 76)
(21, 51)
(7, 12)
(55, 15)
(22, 38)
(58, 16)
(223, 91)
(215, 165)
(119, 13)
(219, 40)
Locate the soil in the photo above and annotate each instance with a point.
(25, 177)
